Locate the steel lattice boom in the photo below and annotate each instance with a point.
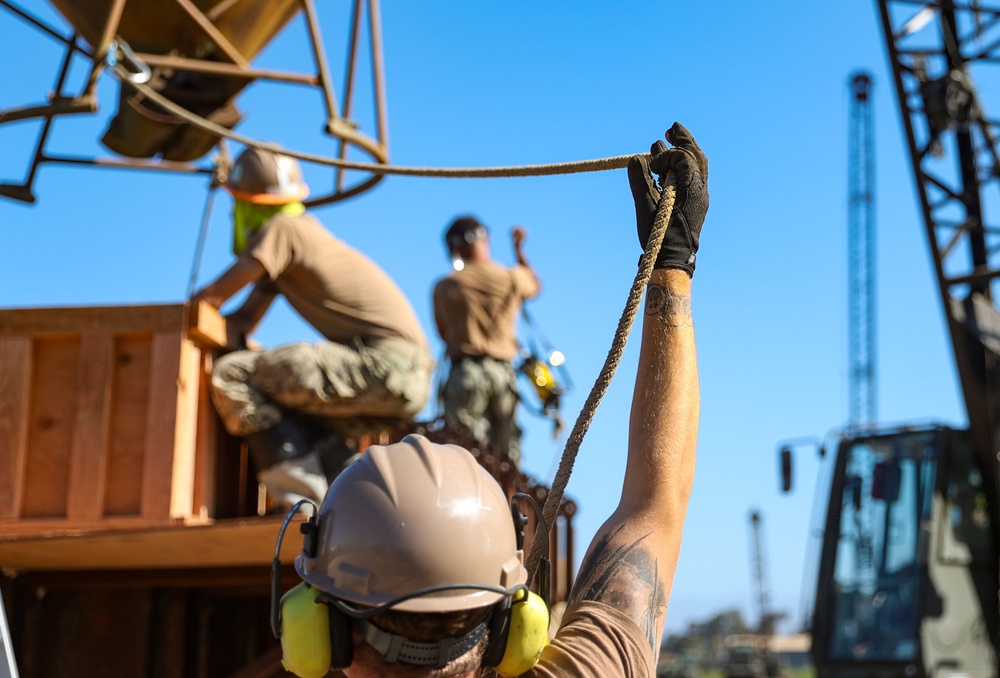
(942, 55)
(861, 246)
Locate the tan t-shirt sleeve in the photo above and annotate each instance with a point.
(596, 641)
(525, 282)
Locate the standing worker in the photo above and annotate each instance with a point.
(475, 310)
(413, 557)
(373, 360)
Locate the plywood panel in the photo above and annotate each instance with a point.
(130, 408)
(88, 455)
(52, 413)
(105, 416)
(158, 462)
(15, 390)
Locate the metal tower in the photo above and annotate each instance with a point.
(766, 619)
(861, 255)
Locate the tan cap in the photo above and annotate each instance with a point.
(265, 178)
(409, 516)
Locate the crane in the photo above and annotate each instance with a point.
(765, 623)
(861, 246)
(910, 562)
(750, 656)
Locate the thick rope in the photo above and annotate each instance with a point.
(555, 496)
(663, 212)
(573, 167)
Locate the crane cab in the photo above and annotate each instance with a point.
(908, 578)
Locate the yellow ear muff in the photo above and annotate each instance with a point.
(527, 636)
(305, 633)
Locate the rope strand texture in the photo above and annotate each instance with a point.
(572, 167)
(555, 496)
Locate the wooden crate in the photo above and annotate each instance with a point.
(105, 420)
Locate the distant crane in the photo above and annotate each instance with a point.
(861, 256)
(766, 618)
(861, 272)
(752, 657)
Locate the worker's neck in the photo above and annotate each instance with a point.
(477, 256)
(477, 252)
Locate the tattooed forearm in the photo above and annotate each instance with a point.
(670, 308)
(627, 577)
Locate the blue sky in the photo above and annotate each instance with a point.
(762, 86)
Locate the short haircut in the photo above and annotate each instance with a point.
(464, 231)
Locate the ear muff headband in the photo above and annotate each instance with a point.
(396, 648)
(315, 628)
(314, 637)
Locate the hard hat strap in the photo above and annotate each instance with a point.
(397, 649)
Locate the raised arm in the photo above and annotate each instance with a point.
(631, 562)
(517, 236)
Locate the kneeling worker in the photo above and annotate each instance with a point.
(373, 360)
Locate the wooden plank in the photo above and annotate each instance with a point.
(51, 415)
(237, 542)
(206, 326)
(129, 412)
(89, 452)
(15, 390)
(158, 458)
(77, 320)
(60, 527)
(185, 430)
(205, 444)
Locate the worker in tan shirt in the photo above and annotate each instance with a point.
(291, 402)
(476, 310)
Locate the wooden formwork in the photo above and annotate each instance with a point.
(113, 458)
(109, 443)
(104, 417)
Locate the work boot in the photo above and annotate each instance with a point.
(289, 482)
(335, 454)
(323, 436)
(287, 464)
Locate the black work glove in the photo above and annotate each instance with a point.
(690, 167)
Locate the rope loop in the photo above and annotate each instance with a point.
(555, 496)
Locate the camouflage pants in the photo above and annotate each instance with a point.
(380, 378)
(480, 400)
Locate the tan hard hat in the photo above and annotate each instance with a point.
(409, 516)
(265, 178)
